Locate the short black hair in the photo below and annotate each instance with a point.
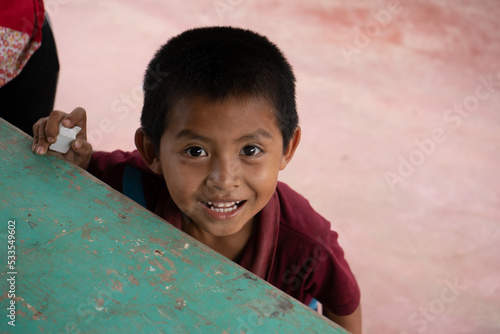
(217, 63)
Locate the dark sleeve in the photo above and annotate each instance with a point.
(316, 265)
(113, 168)
(332, 282)
(109, 167)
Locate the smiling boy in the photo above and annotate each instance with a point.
(217, 126)
(220, 180)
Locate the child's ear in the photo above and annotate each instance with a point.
(290, 150)
(147, 150)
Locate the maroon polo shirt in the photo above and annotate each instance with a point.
(293, 247)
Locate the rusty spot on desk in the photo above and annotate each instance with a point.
(180, 303)
(133, 280)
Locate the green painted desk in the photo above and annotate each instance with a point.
(89, 260)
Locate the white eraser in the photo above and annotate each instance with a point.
(64, 139)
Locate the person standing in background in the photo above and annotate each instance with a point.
(29, 64)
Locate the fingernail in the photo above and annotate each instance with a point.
(66, 122)
(33, 147)
(50, 139)
(39, 150)
(78, 144)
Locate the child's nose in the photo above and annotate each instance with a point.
(224, 175)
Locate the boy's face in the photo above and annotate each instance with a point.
(221, 160)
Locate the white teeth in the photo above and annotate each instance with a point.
(224, 209)
(223, 206)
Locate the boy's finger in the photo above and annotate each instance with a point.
(52, 125)
(78, 117)
(81, 150)
(41, 140)
(81, 147)
(35, 134)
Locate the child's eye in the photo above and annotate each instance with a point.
(196, 151)
(250, 150)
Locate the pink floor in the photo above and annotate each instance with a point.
(400, 111)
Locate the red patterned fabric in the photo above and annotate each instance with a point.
(20, 35)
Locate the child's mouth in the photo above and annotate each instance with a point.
(223, 207)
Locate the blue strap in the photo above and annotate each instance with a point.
(132, 185)
(314, 304)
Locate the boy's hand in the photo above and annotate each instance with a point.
(46, 129)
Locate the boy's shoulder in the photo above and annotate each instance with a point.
(299, 218)
(308, 261)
